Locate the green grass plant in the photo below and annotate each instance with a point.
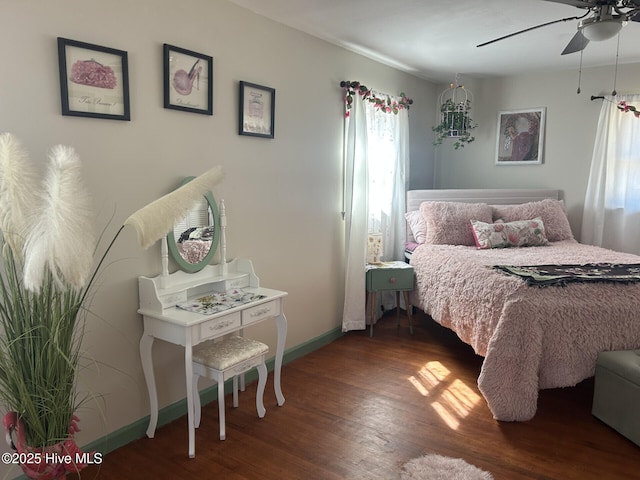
(39, 352)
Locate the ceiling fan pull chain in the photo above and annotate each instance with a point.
(615, 75)
(580, 73)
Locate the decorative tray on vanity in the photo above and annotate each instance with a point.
(219, 301)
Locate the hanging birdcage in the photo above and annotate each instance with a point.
(454, 116)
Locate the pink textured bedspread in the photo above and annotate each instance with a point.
(532, 338)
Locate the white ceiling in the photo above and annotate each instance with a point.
(436, 39)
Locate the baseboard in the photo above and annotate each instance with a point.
(168, 414)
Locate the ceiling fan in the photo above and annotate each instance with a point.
(606, 19)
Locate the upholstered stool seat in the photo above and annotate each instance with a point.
(617, 392)
(222, 360)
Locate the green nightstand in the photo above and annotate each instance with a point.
(390, 276)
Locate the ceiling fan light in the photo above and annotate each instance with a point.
(602, 30)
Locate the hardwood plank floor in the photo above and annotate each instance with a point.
(361, 407)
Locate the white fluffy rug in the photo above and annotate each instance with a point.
(437, 467)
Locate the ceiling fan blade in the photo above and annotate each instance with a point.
(576, 3)
(577, 43)
(527, 30)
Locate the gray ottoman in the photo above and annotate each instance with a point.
(616, 396)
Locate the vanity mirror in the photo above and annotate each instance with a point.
(195, 238)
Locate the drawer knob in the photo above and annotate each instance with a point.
(392, 280)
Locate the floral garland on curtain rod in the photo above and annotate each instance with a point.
(628, 108)
(385, 103)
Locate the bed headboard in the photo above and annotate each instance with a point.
(504, 196)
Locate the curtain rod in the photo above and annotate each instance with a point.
(594, 97)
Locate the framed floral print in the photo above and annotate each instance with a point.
(94, 80)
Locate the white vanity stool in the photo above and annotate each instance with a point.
(222, 360)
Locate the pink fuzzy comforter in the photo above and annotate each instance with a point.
(532, 338)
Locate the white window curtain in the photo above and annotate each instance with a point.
(611, 216)
(376, 162)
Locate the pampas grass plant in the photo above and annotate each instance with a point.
(42, 273)
(47, 243)
(157, 218)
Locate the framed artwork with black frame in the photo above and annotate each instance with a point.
(94, 80)
(520, 137)
(188, 80)
(257, 110)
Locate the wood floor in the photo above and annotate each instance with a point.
(361, 407)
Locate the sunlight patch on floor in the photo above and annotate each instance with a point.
(451, 398)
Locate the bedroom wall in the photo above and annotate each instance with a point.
(571, 122)
(283, 196)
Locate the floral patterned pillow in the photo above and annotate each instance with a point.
(522, 233)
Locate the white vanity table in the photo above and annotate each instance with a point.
(163, 320)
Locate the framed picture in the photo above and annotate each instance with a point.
(257, 110)
(520, 137)
(94, 80)
(188, 80)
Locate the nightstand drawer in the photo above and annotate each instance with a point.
(379, 279)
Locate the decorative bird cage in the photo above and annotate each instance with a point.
(454, 119)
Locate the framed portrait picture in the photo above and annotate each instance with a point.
(257, 110)
(188, 80)
(520, 137)
(94, 80)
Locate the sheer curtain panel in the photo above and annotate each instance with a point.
(376, 160)
(611, 216)
(355, 217)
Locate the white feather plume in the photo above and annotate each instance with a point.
(61, 236)
(18, 188)
(153, 221)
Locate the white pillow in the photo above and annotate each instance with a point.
(417, 225)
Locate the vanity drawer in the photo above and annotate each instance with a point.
(220, 326)
(240, 281)
(253, 314)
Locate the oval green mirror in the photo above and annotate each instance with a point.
(195, 238)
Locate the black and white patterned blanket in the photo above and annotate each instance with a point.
(560, 275)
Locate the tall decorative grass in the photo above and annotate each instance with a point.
(47, 253)
(48, 243)
(39, 352)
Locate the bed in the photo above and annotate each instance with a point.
(532, 337)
